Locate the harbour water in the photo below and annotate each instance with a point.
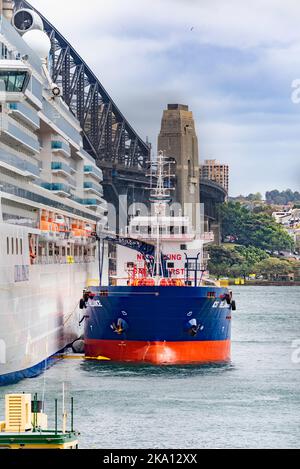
(253, 402)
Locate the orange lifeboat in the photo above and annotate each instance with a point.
(77, 232)
(47, 232)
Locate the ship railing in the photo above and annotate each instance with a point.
(79, 260)
(89, 259)
(49, 260)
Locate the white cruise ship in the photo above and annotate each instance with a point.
(51, 200)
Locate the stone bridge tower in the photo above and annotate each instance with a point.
(178, 139)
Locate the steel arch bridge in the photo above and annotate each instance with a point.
(107, 135)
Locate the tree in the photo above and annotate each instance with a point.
(222, 260)
(254, 197)
(273, 268)
(234, 261)
(253, 229)
(252, 254)
(283, 197)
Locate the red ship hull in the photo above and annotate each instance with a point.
(157, 353)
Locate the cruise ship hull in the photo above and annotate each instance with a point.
(39, 318)
(159, 325)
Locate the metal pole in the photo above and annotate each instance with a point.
(101, 259)
(35, 412)
(55, 416)
(72, 414)
(196, 275)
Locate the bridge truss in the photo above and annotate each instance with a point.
(107, 135)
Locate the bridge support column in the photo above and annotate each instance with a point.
(178, 140)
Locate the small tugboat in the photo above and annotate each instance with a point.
(26, 426)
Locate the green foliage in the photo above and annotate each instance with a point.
(233, 261)
(251, 254)
(254, 197)
(253, 229)
(272, 268)
(282, 198)
(240, 261)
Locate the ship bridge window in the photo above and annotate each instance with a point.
(4, 52)
(13, 81)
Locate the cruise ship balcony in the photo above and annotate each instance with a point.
(92, 187)
(17, 138)
(19, 165)
(59, 167)
(94, 172)
(61, 147)
(58, 188)
(25, 114)
(93, 203)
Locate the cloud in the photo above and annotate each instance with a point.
(233, 63)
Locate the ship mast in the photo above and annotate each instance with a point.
(160, 196)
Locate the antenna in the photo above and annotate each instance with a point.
(64, 414)
(161, 192)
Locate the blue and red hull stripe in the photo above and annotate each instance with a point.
(159, 325)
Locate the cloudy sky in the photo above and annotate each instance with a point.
(232, 62)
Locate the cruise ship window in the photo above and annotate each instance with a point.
(7, 245)
(21, 247)
(17, 246)
(12, 245)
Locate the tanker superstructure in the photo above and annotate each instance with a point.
(51, 200)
